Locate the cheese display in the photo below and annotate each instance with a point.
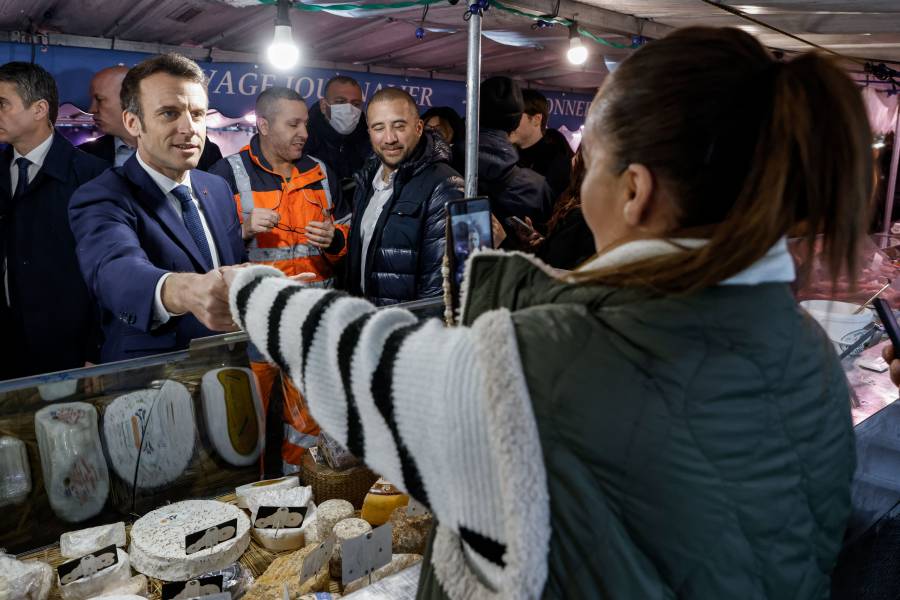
(235, 579)
(283, 570)
(73, 544)
(15, 476)
(135, 586)
(153, 431)
(409, 534)
(98, 573)
(381, 501)
(119, 597)
(244, 492)
(233, 412)
(398, 563)
(74, 469)
(336, 456)
(343, 531)
(329, 514)
(283, 530)
(25, 580)
(158, 539)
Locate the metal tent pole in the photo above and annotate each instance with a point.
(892, 181)
(473, 94)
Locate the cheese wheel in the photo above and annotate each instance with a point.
(75, 474)
(399, 562)
(15, 476)
(74, 544)
(244, 492)
(282, 539)
(381, 501)
(158, 540)
(279, 540)
(232, 408)
(329, 514)
(26, 580)
(347, 529)
(155, 427)
(113, 576)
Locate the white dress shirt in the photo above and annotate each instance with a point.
(37, 158)
(122, 151)
(380, 198)
(166, 185)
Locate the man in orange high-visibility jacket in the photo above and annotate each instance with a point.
(285, 201)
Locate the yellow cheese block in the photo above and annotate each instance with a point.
(381, 501)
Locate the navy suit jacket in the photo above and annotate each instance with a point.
(51, 322)
(129, 235)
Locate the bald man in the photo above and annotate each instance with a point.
(116, 145)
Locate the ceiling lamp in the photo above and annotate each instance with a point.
(283, 53)
(577, 54)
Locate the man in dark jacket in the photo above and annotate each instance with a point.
(116, 146)
(514, 191)
(338, 133)
(48, 321)
(397, 236)
(539, 149)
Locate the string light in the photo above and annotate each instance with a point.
(577, 53)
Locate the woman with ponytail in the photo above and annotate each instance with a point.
(663, 423)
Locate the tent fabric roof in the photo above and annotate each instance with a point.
(378, 39)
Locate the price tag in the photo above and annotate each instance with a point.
(415, 509)
(210, 537)
(203, 587)
(279, 517)
(365, 554)
(87, 565)
(317, 559)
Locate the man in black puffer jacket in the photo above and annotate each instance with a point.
(397, 235)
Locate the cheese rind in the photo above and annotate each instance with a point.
(73, 544)
(15, 476)
(72, 461)
(329, 514)
(153, 430)
(110, 577)
(26, 580)
(158, 540)
(282, 539)
(232, 409)
(244, 492)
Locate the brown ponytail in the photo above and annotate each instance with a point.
(748, 148)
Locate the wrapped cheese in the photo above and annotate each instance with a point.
(15, 476)
(105, 577)
(25, 580)
(74, 544)
(347, 529)
(381, 501)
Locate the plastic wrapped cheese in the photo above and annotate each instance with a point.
(74, 544)
(329, 514)
(399, 562)
(347, 529)
(102, 579)
(15, 476)
(72, 461)
(153, 430)
(244, 492)
(25, 580)
(233, 412)
(158, 539)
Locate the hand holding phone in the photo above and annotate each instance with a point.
(890, 326)
(525, 231)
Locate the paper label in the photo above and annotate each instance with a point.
(203, 587)
(415, 509)
(365, 554)
(279, 517)
(87, 565)
(317, 559)
(210, 537)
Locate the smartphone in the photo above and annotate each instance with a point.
(522, 229)
(469, 228)
(887, 319)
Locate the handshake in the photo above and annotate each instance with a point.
(206, 296)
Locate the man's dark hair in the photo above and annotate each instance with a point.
(33, 83)
(501, 104)
(389, 94)
(265, 102)
(172, 64)
(340, 79)
(445, 113)
(536, 104)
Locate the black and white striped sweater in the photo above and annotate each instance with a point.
(442, 412)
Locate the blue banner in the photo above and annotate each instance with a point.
(233, 87)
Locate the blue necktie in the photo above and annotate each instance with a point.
(22, 183)
(192, 221)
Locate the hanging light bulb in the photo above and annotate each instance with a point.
(283, 52)
(577, 53)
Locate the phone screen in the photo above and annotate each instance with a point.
(470, 229)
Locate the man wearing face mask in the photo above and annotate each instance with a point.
(285, 199)
(338, 133)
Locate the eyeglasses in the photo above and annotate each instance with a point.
(327, 214)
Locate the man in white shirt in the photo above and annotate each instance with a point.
(48, 321)
(154, 234)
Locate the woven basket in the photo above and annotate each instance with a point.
(327, 484)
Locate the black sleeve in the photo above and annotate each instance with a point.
(430, 278)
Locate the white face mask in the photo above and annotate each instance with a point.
(344, 118)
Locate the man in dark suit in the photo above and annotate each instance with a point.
(154, 235)
(48, 321)
(117, 145)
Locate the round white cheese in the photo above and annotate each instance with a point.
(73, 544)
(329, 514)
(155, 426)
(347, 529)
(232, 409)
(101, 579)
(244, 492)
(15, 476)
(279, 540)
(282, 539)
(158, 540)
(75, 474)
